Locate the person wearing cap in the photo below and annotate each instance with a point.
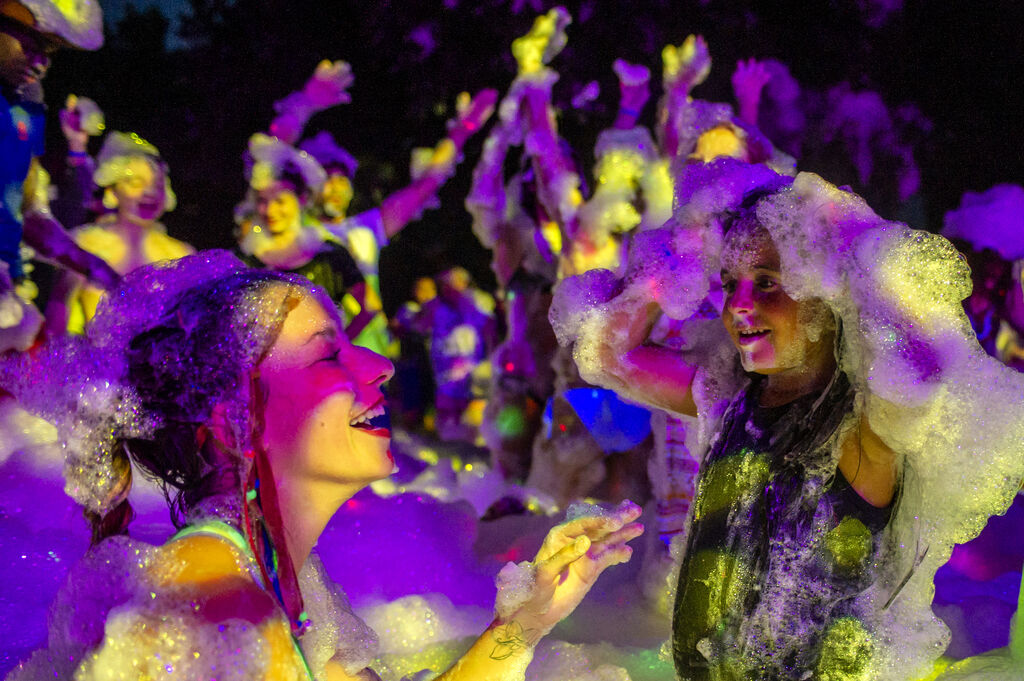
(136, 187)
(30, 31)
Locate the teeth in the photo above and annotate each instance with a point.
(367, 415)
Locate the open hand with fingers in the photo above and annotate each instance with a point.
(572, 557)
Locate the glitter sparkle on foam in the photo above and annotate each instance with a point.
(953, 415)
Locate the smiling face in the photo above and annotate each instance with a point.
(142, 191)
(324, 403)
(772, 332)
(279, 208)
(24, 52)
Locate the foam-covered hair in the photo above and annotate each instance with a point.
(953, 416)
(112, 162)
(173, 341)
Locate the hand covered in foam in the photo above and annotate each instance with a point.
(634, 85)
(686, 66)
(80, 119)
(573, 556)
(328, 86)
(546, 39)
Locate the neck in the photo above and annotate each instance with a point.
(306, 508)
(131, 222)
(811, 376)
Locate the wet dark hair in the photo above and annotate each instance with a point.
(745, 211)
(194, 357)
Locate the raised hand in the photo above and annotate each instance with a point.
(748, 80)
(573, 556)
(79, 119)
(472, 114)
(634, 89)
(328, 86)
(686, 66)
(546, 39)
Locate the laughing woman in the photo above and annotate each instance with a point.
(239, 391)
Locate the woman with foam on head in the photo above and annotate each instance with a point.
(853, 428)
(239, 392)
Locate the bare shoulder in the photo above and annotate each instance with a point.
(216, 576)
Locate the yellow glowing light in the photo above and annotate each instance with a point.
(718, 142)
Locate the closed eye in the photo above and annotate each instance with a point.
(332, 357)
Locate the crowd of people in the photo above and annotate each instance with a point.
(817, 404)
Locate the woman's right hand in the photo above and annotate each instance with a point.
(572, 557)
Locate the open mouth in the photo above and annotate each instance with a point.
(751, 335)
(376, 420)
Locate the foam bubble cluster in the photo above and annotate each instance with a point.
(515, 583)
(953, 416)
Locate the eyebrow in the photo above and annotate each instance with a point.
(327, 331)
(759, 266)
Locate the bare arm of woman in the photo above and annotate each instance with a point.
(869, 465)
(651, 374)
(573, 556)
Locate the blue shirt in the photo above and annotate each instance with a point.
(21, 139)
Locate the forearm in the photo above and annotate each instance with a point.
(399, 208)
(558, 183)
(49, 239)
(502, 653)
(650, 374)
(658, 377)
(749, 106)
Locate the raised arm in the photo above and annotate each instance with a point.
(557, 181)
(651, 374)
(43, 233)
(684, 67)
(327, 87)
(748, 80)
(437, 165)
(634, 91)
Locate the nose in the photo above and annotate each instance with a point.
(375, 369)
(741, 299)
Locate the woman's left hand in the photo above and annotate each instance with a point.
(573, 556)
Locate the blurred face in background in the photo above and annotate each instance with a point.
(24, 51)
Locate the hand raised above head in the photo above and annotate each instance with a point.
(472, 114)
(328, 86)
(685, 66)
